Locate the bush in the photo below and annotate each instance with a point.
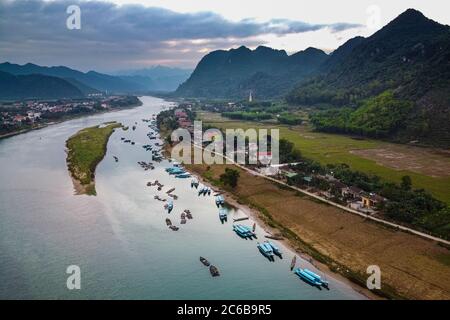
(230, 177)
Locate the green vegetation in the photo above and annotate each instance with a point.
(249, 116)
(37, 86)
(413, 207)
(290, 119)
(326, 148)
(379, 117)
(230, 177)
(265, 72)
(409, 56)
(288, 153)
(85, 151)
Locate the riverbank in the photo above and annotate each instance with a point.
(85, 150)
(347, 244)
(255, 215)
(66, 118)
(210, 174)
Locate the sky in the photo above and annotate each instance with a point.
(131, 34)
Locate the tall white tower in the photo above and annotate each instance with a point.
(250, 97)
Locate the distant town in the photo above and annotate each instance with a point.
(19, 116)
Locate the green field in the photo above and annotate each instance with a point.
(85, 151)
(332, 148)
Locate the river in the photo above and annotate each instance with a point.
(119, 238)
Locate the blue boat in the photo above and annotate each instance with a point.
(169, 206)
(183, 175)
(178, 171)
(275, 248)
(243, 231)
(220, 201)
(266, 250)
(223, 215)
(201, 189)
(317, 277)
(307, 277)
(249, 230)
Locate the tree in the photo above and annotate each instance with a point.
(230, 177)
(287, 152)
(406, 183)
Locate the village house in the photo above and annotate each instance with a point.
(288, 173)
(19, 118)
(179, 113)
(352, 192)
(371, 200)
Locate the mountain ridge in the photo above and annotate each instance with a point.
(236, 72)
(410, 58)
(95, 80)
(36, 86)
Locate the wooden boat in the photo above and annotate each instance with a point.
(240, 219)
(269, 236)
(204, 261)
(189, 215)
(214, 271)
(294, 260)
(168, 222)
(174, 228)
(194, 183)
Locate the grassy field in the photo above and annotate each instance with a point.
(347, 243)
(393, 161)
(85, 151)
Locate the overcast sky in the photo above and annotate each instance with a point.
(131, 34)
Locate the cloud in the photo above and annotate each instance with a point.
(112, 34)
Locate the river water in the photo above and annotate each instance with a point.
(119, 238)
